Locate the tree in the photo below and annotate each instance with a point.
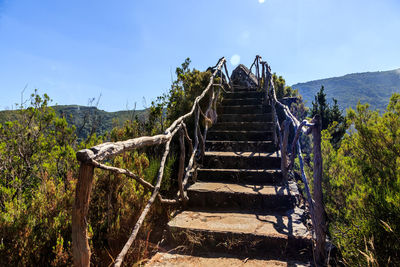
(157, 115)
(189, 84)
(321, 107)
(281, 89)
(331, 116)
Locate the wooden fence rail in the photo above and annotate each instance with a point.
(316, 201)
(91, 158)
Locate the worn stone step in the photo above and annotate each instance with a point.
(264, 117)
(278, 235)
(240, 146)
(244, 109)
(272, 176)
(217, 195)
(245, 89)
(240, 88)
(241, 101)
(250, 126)
(235, 135)
(244, 94)
(241, 160)
(171, 259)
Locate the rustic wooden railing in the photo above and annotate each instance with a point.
(281, 136)
(93, 157)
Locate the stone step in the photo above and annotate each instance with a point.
(273, 176)
(171, 259)
(241, 160)
(243, 109)
(278, 235)
(241, 101)
(216, 195)
(242, 146)
(238, 88)
(243, 94)
(239, 135)
(250, 126)
(245, 89)
(265, 117)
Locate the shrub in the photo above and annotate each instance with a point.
(362, 185)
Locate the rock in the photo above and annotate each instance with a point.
(243, 77)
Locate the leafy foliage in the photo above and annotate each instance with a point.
(188, 85)
(37, 164)
(179, 100)
(281, 89)
(88, 120)
(362, 185)
(38, 172)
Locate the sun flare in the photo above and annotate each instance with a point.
(235, 60)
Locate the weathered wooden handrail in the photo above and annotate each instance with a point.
(316, 202)
(91, 158)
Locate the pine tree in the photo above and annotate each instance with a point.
(331, 116)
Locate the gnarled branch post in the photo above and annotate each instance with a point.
(181, 170)
(320, 223)
(284, 158)
(81, 249)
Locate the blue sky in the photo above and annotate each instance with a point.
(126, 50)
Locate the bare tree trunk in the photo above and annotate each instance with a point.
(80, 244)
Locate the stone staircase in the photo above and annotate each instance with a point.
(240, 211)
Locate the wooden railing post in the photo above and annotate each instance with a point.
(263, 79)
(181, 170)
(284, 164)
(227, 75)
(275, 123)
(320, 223)
(80, 244)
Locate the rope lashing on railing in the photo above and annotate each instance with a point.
(91, 158)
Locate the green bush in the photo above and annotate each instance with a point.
(37, 166)
(38, 171)
(362, 187)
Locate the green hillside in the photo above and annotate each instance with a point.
(374, 88)
(84, 117)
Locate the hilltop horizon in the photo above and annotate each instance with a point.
(307, 89)
(373, 87)
(74, 51)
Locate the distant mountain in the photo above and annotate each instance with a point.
(83, 117)
(75, 115)
(374, 88)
